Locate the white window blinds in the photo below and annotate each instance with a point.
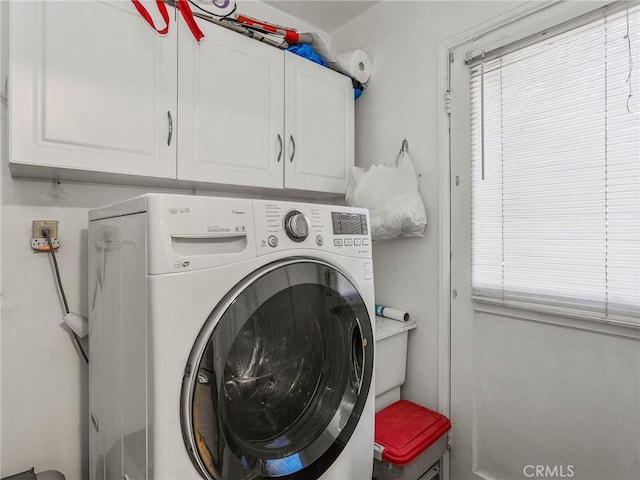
(555, 141)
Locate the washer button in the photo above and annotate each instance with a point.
(273, 241)
(348, 242)
(337, 242)
(357, 242)
(365, 241)
(319, 240)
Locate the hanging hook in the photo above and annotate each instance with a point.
(403, 149)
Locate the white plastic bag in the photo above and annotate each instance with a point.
(390, 192)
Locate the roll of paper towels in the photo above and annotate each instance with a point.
(355, 63)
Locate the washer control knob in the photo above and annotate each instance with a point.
(296, 225)
(272, 241)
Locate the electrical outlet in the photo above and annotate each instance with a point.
(40, 226)
(42, 229)
(42, 244)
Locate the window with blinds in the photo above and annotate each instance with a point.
(555, 141)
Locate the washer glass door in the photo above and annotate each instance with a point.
(279, 375)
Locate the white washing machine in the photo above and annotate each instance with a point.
(230, 339)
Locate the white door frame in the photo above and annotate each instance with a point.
(4, 62)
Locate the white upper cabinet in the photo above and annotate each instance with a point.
(231, 109)
(253, 115)
(319, 126)
(96, 94)
(91, 88)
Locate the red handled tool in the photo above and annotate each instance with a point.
(291, 35)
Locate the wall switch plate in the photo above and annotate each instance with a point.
(39, 241)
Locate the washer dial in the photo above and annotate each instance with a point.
(296, 225)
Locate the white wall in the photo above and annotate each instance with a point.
(44, 394)
(401, 101)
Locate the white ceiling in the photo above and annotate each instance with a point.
(326, 15)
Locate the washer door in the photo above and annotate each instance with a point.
(279, 375)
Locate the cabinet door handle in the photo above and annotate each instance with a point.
(293, 149)
(280, 151)
(170, 128)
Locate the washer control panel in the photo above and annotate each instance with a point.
(350, 228)
(333, 228)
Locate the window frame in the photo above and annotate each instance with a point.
(511, 28)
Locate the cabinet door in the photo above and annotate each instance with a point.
(230, 91)
(91, 86)
(319, 128)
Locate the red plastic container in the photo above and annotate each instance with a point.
(412, 438)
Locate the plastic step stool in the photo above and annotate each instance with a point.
(409, 439)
